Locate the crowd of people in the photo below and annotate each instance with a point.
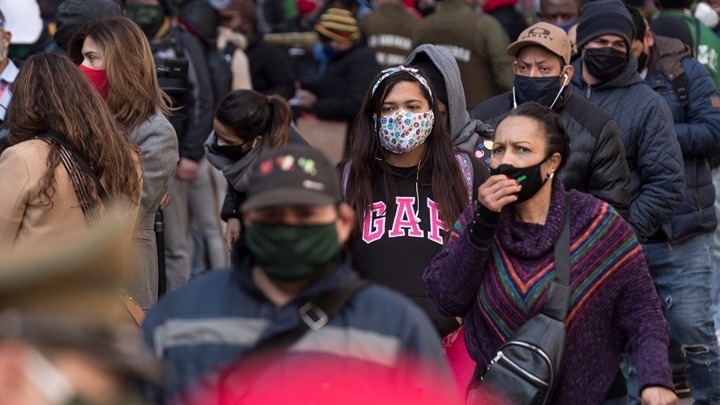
(171, 232)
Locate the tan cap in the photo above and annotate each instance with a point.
(550, 37)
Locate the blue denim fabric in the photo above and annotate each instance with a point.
(716, 253)
(682, 272)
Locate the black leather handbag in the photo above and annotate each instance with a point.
(527, 366)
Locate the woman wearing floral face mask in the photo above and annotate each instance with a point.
(407, 184)
(498, 265)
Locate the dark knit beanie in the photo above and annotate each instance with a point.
(605, 17)
(73, 15)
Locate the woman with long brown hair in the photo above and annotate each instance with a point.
(116, 56)
(68, 159)
(407, 184)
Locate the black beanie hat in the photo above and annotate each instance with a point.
(605, 17)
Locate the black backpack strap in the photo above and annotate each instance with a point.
(680, 85)
(315, 313)
(558, 298)
(82, 163)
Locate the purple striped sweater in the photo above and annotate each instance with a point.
(614, 305)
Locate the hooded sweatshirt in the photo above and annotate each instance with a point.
(466, 133)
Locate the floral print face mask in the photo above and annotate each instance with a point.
(403, 131)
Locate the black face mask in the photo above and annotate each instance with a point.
(604, 63)
(529, 177)
(642, 61)
(544, 90)
(232, 152)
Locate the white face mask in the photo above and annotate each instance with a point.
(707, 15)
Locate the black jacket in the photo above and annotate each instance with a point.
(341, 89)
(270, 68)
(651, 146)
(698, 130)
(597, 162)
(198, 123)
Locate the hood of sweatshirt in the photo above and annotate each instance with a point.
(463, 129)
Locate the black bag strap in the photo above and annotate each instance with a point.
(84, 166)
(558, 299)
(315, 313)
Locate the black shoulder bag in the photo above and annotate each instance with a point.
(527, 367)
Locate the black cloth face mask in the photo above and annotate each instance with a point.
(232, 152)
(530, 178)
(604, 63)
(544, 90)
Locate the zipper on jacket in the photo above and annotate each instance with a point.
(588, 91)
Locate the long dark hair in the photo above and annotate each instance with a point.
(439, 167)
(51, 94)
(249, 114)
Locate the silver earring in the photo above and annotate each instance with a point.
(551, 175)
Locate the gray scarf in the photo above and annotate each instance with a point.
(237, 172)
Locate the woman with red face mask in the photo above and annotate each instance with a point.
(115, 56)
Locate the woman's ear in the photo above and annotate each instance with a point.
(554, 162)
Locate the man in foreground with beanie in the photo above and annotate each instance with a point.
(681, 260)
(543, 72)
(338, 92)
(291, 295)
(608, 78)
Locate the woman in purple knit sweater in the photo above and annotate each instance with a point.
(499, 263)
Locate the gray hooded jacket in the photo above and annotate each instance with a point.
(466, 132)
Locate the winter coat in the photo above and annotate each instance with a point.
(158, 145)
(389, 32)
(198, 123)
(597, 162)
(698, 132)
(219, 317)
(25, 216)
(478, 43)
(270, 68)
(651, 146)
(341, 89)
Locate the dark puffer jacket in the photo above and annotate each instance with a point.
(698, 131)
(651, 145)
(597, 162)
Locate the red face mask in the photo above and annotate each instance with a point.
(98, 78)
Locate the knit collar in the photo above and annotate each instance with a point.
(526, 240)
